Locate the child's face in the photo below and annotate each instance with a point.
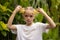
(28, 16)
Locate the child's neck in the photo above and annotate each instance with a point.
(29, 24)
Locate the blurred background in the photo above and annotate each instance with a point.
(51, 7)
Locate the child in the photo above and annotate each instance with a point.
(30, 31)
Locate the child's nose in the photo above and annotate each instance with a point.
(28, 17)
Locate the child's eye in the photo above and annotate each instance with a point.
(31, 16)
(26, 15)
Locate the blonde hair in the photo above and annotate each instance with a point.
(28, 8)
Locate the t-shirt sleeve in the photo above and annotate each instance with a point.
(15, 31)
(43, 26)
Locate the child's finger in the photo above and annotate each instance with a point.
(18, 8)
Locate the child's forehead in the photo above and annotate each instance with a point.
(29, 11)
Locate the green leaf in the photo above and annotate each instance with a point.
(39, 18)
(4, 26)
(1, 28)
(4, 33)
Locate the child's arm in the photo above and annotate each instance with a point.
(51, 23)
(9, 24)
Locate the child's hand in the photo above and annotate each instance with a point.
(40, 10)
(18, 8)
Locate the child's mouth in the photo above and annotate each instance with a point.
(28, 21)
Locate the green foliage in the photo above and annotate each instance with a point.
(51, 35)
(24, 3)
(3, 28)
(38, 18)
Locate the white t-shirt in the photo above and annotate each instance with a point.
(33, 32)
